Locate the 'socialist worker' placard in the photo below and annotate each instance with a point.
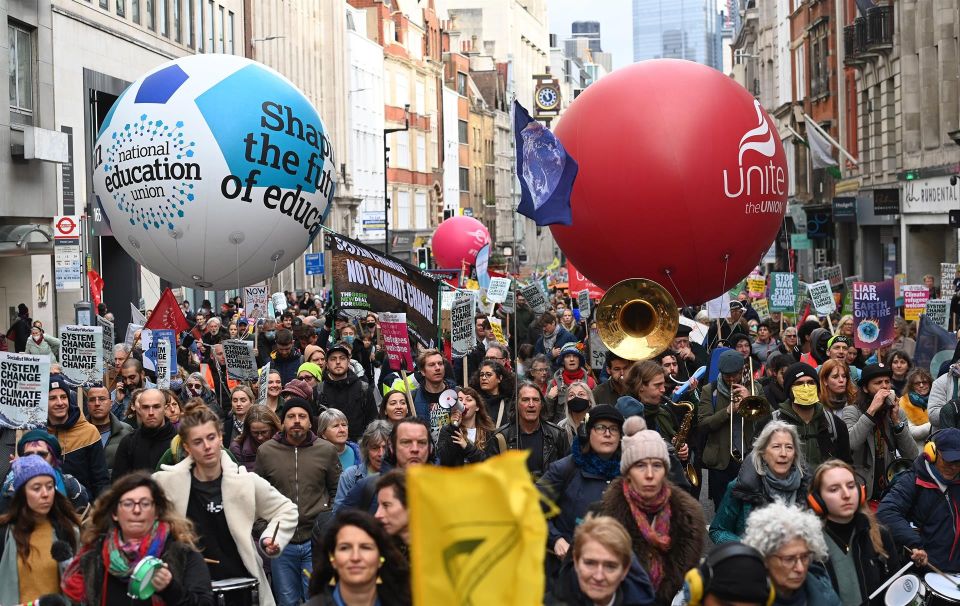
(24, 387)
(81, 353)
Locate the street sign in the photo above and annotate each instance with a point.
(68, 264)
(314, 263)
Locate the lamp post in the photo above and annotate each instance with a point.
(386, 164)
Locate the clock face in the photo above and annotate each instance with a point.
(548, 98)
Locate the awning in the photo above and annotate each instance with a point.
(30, 239)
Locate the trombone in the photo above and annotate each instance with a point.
(750, 407)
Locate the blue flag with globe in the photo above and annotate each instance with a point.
(545, 169)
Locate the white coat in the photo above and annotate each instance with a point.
(246, 497)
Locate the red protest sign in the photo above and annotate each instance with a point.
(393, 327)
(576, 282)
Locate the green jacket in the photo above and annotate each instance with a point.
(714, 423)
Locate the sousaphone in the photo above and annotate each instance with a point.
(637, 319)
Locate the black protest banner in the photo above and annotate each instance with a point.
(366, 279)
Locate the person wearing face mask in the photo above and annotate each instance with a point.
(358, 351)
(920, 509)
(41, 344)
(265, 338)
(195, 386)
(579, 479)
(577, 404)
(822, 435)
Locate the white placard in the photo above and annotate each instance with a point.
(163, 364)
(262, 384)
(279, 302)
(498, 289)
(948, 273)
(719, 308)
(241, 363)
(446, 299)
(24, 389)
(534, 296)
(822, 297)
(108, 339)
(598, 351)
(463, 328)
(509, 305)
(937, 310)
(255, 302)
(81, 353)
(136, 317)
(583, 302)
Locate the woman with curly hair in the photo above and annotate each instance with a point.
(40, 520)
(495, 385)
(464, 439)
(359, 565)
(130, 522)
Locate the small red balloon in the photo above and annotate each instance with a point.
(683, 179)
(458, 239)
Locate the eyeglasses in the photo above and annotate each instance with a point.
(791, 561)
(606, 429)
(487, 375)
(130, 504)
(921, 382)
(193, 385)
(538, 370)
(307, 378)
(495, 358)
(97, 398)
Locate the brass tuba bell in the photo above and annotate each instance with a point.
(637, 319)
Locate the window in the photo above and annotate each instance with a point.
(211, 26)
(421, 153)
(151, 16)
(223, 29)
(462, 84)
(402, 146)
(162, 17)
(403, 209)
(464, 179)
(420, 101)
(21, 69)
(403, 89)
(121, 8)
(105, 4)
(420, 210)
(177, 34)
(801, 73)
(230, 48)
(463, 131)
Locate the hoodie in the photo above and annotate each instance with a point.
(82, 449)
(352, 396)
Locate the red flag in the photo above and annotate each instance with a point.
(96, 287)
(167, 314)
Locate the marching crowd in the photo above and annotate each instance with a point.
(828, 467)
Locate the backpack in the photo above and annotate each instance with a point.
(950, 413)
(824, 439)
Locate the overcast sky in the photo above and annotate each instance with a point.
(615, 16)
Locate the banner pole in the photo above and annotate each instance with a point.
(406, 390)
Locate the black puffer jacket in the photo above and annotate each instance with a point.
(353, 397)
(143, 449)
(555, 444)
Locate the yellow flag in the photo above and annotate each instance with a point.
(497, 327)
(477, 533)
(555, 264)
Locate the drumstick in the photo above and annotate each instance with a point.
(273, 539)
(886, 584)
(209, 561)
(952, 580)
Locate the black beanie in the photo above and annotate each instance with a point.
(795, 371)
(291, 403)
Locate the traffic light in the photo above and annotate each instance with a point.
(423, 257)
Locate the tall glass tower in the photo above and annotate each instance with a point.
(677, 29)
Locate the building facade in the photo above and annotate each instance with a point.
(677, 29)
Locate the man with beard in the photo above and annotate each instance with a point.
(426, 399)
(305, 469)
(545, 441)
(112, 430)
(342, 389)
(286, 358)
(553, 339)
(691, 356)
(722, 330)
(80, 444)
(143, 448)
(522, 322)
(132, 378)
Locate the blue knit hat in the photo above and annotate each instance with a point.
(29, 467)
(39, 435)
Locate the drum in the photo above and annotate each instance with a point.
(140, 586)
(941, 590)
(905, 591)
(237, 592)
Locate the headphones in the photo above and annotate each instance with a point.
(819, 506)
(930, 451)
(696, 583)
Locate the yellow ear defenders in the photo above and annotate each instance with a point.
(930, 451)
(697, 581)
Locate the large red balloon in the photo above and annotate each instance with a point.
(458, 239)
(681, 171)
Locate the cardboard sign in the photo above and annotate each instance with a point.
(255, 302)
(822, 297)
(498, 289)
(262, 384)
(24, 389)
(81, 353)
(583, 302)
(938, 311)
(756, 287)
(446, 299)
(719, 308)
(915, 297)
(762, 307)
(108, 340)
(396, 340)
(241, 363)
(463, 328)
(535, 298)
(948, 273)
(163, 364)
(873, 310)
(783, 291)
(496, 325)
(598, 351)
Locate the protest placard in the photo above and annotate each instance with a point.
(496, 325)
(898, 281)
(833, 275)
(762, 307)
(163, 364)
(24, 389)
(756, 286)
(150, 340)
(783, 291)
(509, 305)
(915, 298)
(396, 340)
(948, 273)
(822, 297)
(131, 334)
(262, 384)
(719, 308)
(279, 301)
(937, 311)
(241, 363)
(255, 302)
(873, 310)
(81, 353)
(598, 351)
(498, 289)
(533, 293)
(107, 341)
(463, 329)
(583, 303)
